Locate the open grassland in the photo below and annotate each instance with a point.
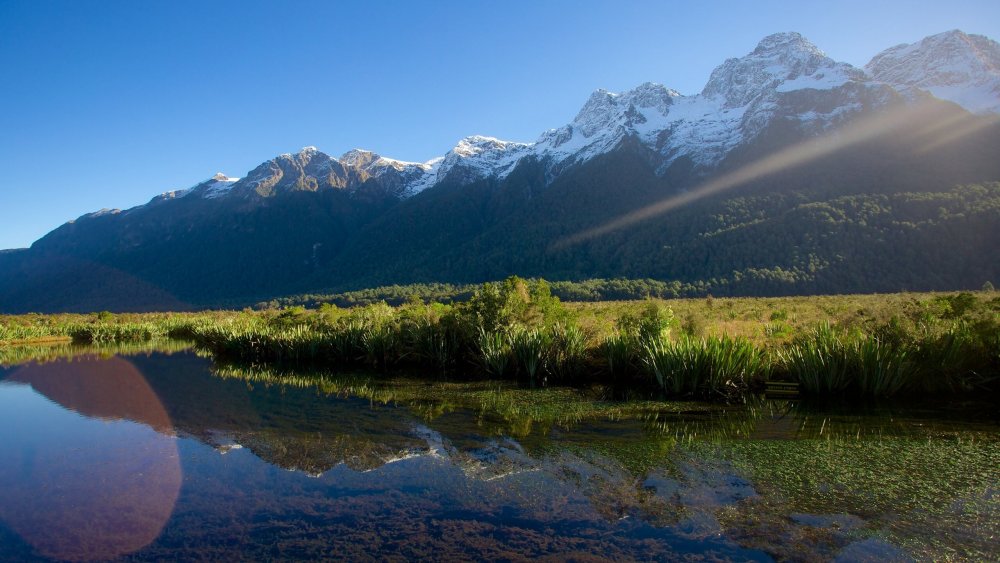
(714, 348)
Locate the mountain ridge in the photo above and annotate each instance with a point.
(649, 170)
(780, 63)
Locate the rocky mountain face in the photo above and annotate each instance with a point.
(953, 66)
(780, 127)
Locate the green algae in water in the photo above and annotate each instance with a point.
(936, 497)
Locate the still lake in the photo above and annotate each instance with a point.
(159, 454)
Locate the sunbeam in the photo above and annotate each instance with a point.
(941, 127)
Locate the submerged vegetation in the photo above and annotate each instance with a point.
(859, 346)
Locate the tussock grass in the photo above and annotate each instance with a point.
(531, 350)
(863, 346)
(705, 367)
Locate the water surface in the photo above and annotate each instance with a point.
(147, 455)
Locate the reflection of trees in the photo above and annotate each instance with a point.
(290, 426)
(41, 353)
(627, 460)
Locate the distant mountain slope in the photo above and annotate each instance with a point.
(952, 66)
(790, 172)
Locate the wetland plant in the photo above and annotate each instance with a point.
(828, 362)
(705, 366)
(99, 333)
(818, 362)
(494, 351)
(619, 351)
(531, 350)
(569, 350)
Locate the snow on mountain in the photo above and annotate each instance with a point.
(785, 77)
(375, 164)
(214, 187)
(781, 62)
(472, 158)
(738, 101)
(219, 185)
(311, 169)
(101, 213)
(952, 66)
(604, 121)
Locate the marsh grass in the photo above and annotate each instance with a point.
(430, 342)
(619, 351)
(705, 367)
(531, 351)
(13, 355)
(865, 346)
(882, 369)
(818, 362)
(885, 363)
(100, 333)
(20, 333)
(494, 352)
(568, 355)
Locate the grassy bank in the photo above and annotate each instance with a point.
(860, 346)
(103, 328)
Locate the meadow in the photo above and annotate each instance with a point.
(867, 346)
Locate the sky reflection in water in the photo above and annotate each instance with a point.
(90, 464)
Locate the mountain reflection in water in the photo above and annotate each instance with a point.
(293, 466)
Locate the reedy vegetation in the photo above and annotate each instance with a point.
(919, 343)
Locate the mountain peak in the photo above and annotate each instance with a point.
(305, 154)
(786, 41)
(780, 62)
(358, 157)
(953, 66)
(477, 144)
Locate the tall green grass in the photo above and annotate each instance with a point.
(705, 367)
(568, 352)
(818, 362)
(620, 352)
(494, 352)
(830, 362)
(531, 350)
(21, 332)
(943, 344)
(101, 333)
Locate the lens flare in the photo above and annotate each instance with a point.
(96, 479)
(941, 124)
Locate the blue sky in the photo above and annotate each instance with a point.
(106, 104)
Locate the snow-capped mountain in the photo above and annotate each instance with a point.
(472, 158)
(742, 96)
(311, 169)
(783, 125)
(952, 66)
(784, 78)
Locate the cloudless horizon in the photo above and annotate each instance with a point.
(107, 104)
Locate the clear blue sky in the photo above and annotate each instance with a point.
(106, 104)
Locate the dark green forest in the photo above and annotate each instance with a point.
(864, 242)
